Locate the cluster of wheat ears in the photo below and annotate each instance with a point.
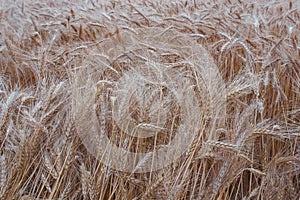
(225, 73)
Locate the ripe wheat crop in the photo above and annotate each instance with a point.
(219, 79)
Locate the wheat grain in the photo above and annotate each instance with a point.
(3, 174)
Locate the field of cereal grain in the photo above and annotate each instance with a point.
(219, 80)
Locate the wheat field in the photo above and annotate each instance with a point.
(219, 79)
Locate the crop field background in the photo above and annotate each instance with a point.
(219, 79)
